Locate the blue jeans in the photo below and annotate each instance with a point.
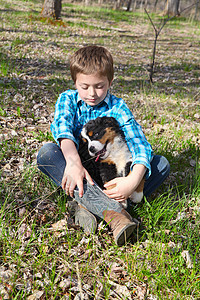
(52, 163)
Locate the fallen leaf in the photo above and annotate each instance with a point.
(186, 256)
(36, 295)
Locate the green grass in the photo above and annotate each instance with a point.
(99, 13)
(155, 258)
(34, 71)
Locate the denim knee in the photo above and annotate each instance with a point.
(44, 152)
(165, 166)
(51, 162)
(160, 168)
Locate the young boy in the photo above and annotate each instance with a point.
(66, 163)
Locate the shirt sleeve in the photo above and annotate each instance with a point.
(138, 145)
(64, 117)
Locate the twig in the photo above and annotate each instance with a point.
(79, 282)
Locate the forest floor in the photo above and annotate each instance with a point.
(43, 254)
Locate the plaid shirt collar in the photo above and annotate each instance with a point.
(106, 101)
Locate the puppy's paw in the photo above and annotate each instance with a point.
(136, 197)
(124, 204)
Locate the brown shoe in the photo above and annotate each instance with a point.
(121, 225)
(98, 203)
(85, 219)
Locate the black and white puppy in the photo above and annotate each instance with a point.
(107, 144)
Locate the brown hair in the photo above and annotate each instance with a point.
(90, 60)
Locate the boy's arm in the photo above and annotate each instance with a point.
(64, 124)
(74, 171)
(125, 186)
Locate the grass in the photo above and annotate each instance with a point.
(35, 255)
(155, 258)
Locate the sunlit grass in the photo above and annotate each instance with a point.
(39, 258)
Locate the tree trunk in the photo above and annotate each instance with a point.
(155, 4)
(135, 5)
(52, 8)
(172, 8)
(129, 5)
(196, 9)
(117, 4)
(145, 3)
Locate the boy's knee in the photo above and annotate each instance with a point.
(45, 151)
(165, 165)
(160, 165)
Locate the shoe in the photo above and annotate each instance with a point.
(121, 225)
(119, 220)
(83, 217)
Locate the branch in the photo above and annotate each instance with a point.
(150, 19)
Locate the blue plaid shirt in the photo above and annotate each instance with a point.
(71, 114)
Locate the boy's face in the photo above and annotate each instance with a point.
(92, 88)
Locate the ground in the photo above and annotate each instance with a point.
(44, 255)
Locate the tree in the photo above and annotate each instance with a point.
(157, 31)
(129, 5)
(52, 8)
(155, 4)
(117, 4)
(172, 8)
(196, 10)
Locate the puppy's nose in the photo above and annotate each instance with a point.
(92, 149)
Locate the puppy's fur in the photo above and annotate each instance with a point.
(106, 143)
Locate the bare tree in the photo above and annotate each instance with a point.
(172, 8)
(157, 32)
(117, 4)
(52, 8)
(145, 3)
(155, 4)
(135, 4)
(196, 9)
(129, 5)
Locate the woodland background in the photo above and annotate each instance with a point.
(43, 254)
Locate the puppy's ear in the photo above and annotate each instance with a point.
(111, 122)
(99, 121)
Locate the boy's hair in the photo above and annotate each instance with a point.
(91, 60)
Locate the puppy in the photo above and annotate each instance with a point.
(107, 144)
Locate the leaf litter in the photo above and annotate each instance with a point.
(38, 72)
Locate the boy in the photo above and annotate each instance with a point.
(66, 163)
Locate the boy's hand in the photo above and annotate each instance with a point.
(73, 176)
(121, 188)
(74, 171)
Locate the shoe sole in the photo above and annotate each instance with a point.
(124, 234)
(86, 220)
